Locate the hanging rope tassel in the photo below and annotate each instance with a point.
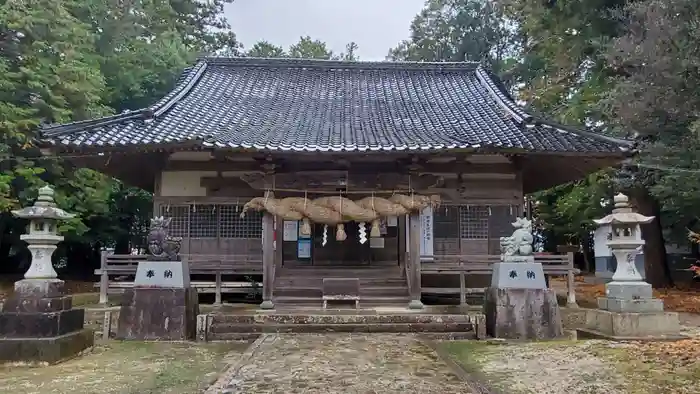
(362, 230)
(305, 223)
(305, 227)
(375, 232)
(340, 234)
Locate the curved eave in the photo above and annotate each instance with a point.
(526, 119)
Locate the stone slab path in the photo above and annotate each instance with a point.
(339, 363)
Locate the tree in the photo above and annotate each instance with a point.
(459, 30)
(657, 97)
(69, 60)
(306, 48)
(349, 54)
(265, 49)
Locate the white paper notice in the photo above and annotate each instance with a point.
(376, 243)
(290, 230)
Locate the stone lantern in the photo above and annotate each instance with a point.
(43, 233)
(628, 311)
(38, 322)
(628, 292)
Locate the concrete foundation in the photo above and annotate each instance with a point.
(522, 314)
(630, 325)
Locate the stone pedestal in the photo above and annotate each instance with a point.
(631, 326)
(634, 297)
(161, 306)
(518, 304)
(158, 314)
(38, 324)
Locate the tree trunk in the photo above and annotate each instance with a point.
(586, 252)
(657, 270)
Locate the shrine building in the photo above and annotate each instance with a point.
(240, 130)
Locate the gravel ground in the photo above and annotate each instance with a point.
(341, 363)
(541, 368)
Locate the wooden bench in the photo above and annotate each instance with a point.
(463, 265)
(215, 265)
(341, 289)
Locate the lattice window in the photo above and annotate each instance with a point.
(203, 221)
(231, 225)
(474, 222)
(446, 222)
(180, 215)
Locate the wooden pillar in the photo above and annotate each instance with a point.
(268, 258)
(570, 283)
(279, 242)
(104, 278)
(414, 263)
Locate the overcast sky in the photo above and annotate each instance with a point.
(375, 25)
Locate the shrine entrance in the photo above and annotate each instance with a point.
(350, 252)
(340, 253)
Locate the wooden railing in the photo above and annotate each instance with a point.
(214, 265)
(463, 265)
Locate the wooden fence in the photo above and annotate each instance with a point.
(463, 265)
(207, 265)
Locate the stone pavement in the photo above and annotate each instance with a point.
(339, 363)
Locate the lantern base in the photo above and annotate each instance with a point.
(626, 290)
(631, 326)
(631, 306)
(634, 297)
(39, 324)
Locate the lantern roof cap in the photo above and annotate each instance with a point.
(623, 213)
(44, 208)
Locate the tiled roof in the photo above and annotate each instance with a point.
(315, 105)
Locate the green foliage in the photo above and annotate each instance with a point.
(459, 30)
(306, 48)
(564, 214)
(657, 96)
(68, 60)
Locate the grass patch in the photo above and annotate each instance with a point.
(82, 299)
(534, 367)
(125, 368)
(655, 367)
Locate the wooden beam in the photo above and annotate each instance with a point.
(281, 167)
(334, 180)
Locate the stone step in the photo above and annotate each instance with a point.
(366, 301)
(336, 317)
(449, 336)
(435, 336)
(233, 336)
(217, 329)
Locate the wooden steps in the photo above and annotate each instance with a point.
(380, 285)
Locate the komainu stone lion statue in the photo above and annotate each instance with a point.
(161, 246)
(520, 243)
